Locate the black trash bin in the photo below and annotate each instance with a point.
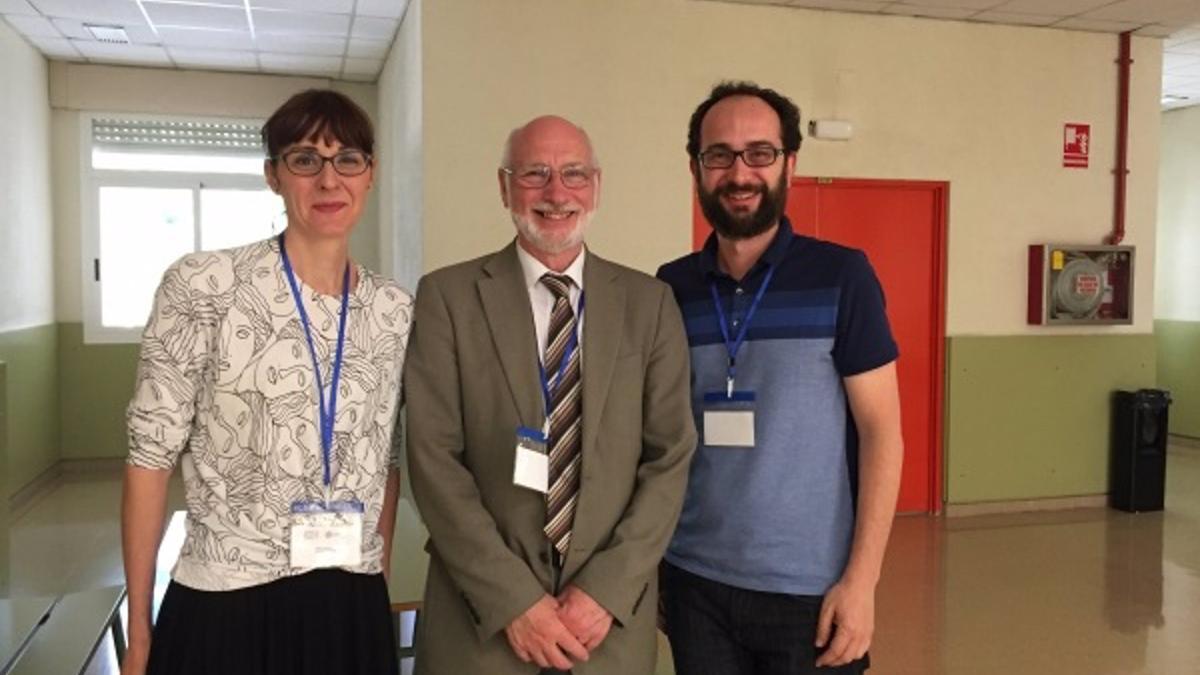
(1138, 468)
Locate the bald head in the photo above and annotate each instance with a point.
(540, 130)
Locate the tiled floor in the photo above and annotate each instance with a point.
(1084, 592)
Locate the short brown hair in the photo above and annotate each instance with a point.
(319, 113)
(789, 113)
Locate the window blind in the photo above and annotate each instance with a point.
(133, 135)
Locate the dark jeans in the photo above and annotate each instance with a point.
(715, 629)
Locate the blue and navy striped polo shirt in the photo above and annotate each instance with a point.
(779, 517)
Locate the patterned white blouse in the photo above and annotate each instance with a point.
(225, 387)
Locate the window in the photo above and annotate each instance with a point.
(155, 189)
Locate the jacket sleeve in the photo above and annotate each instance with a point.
(618, 576)
(496, 584)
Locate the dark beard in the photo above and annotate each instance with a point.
(770, 209)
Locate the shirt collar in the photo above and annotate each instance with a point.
(533, 269)
(774, 254)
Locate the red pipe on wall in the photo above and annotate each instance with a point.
(1122, 171)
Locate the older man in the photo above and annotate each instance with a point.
(549, 437)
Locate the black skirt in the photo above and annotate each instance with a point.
(325, 622)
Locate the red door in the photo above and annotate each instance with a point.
(901, 225)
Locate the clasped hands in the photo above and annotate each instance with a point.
(556, 632)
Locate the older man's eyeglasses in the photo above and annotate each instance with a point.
(303, 162)
(573, 176)
(756, 156)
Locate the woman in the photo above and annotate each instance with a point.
(271, 372)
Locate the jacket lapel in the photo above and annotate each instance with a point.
(510, 318)
(602, 329)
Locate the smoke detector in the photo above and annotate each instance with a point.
(114, 35)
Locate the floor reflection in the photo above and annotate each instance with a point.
(1085, 592)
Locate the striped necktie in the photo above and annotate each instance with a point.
(566, 414)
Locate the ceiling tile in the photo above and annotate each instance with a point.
(309, 65)
(142, 54)
(196, 16)
(312, 45)
(74, 29)
(303, 23)
(1156, 30)
(33, 26)
(1049, 7)
(16, 7)
(843, 5)
(327, 6)
(1095, 25)
(1014, 19)
(392, 9)
(1183, 35)
(973, 5)
(368, 49)
(111, 11)
(58, 48)
(207, 39)
(187, 57)
(927, 11)
(1149, 11)
(374, 28)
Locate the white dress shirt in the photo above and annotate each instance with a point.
(542, 300)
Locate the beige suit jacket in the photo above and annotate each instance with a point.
(471, 379)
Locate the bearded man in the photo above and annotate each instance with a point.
(549, 435)
(773, 567)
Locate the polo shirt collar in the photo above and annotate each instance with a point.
(772, 256)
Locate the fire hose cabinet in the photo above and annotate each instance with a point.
(1080, 285)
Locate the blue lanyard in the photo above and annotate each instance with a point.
(327, 414)
(550, 386)
(732, 346)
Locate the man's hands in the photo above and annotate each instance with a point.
(850, 607)
(539, 636)
(584, 617)
(555, 633)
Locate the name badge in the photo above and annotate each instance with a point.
(531, 465)
(729, 419)
(326, 534)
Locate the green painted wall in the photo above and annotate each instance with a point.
(1028, 416)
(1178, 345)
(33, 422)
(95, 383)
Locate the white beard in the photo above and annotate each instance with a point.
(556, 243)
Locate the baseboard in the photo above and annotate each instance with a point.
(27, 495)
(1181, 441)
(61, 470)
(1027, 505)
(106, 465)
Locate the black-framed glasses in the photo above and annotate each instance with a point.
(305, 162)
(573, 176)
(756, 156)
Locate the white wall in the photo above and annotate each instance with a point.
(26, 224)
(401, 135)
(77, 88)
(1178, 287)
(981, 106)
